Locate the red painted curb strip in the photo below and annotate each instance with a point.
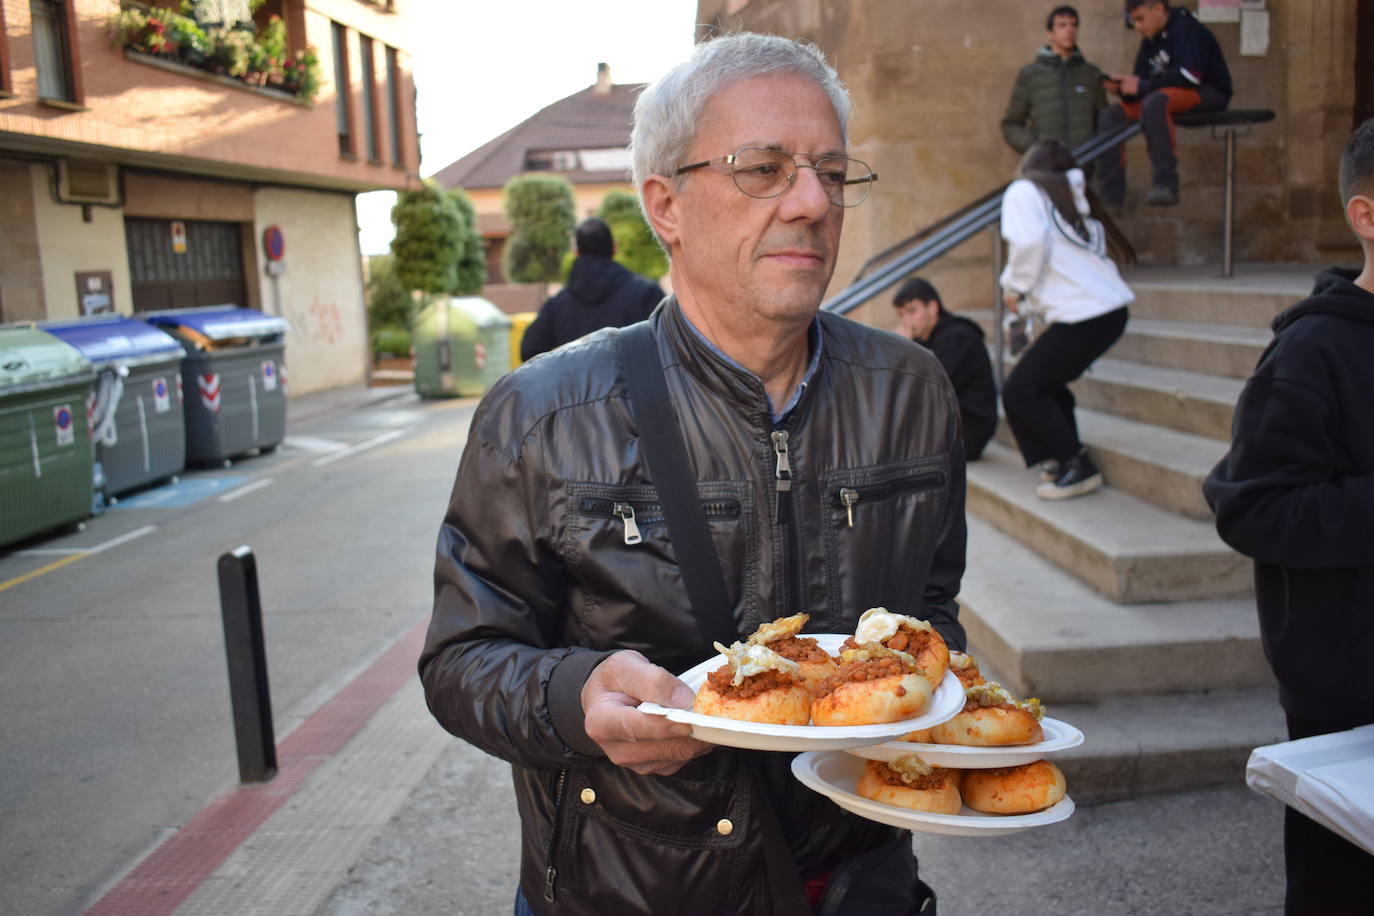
(172, 871)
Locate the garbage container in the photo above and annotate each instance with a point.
(519, 323)
(234, 399)
(45, 440)
(462, 346)
(137, 421)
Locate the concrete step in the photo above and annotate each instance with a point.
(1125, 548)
(1044, 633)
(1211, 349)
(1161, 466)
(1251, 298)
(1189, 402)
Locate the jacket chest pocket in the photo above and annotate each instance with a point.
(627, 587)
(880, 528)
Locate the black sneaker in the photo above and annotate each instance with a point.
(1080, 476)
(1049, 470)
(1161, 196)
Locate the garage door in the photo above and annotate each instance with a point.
(208, 272)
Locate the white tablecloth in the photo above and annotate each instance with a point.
(1329, 778)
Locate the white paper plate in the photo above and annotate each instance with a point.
(759, 736)
(1059, 736)
(836, 776)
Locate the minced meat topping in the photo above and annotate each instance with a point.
(799, 649)
(932, 780)
(870, 670)
(722, 681)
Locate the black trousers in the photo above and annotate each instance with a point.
(1036, 394)
(1327, 874)
(1155, 123)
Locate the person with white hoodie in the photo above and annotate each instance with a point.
(1059, 275)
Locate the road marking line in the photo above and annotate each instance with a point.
(55, 564)
(245, 490)
(313, 444)
(98, 548)
(360, 447)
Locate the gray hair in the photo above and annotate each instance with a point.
(668, 113)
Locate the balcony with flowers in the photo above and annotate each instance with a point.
(239, 53)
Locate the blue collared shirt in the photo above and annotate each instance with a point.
(814, 341)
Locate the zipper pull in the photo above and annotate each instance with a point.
(849, 497)
(783, 473)
(549, 874)
(626, 512)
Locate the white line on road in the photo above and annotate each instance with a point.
(245, 490)
(360, 447)
(312, 444)
(98, 548)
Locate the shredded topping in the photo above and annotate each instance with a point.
(994, 694)
(874, 650)
(746, 661)
(778, 629)
(878, 624)
(910, 768)
(960, 660)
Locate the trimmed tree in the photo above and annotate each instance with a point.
(429, 238)
(540, 211)
(636, 246)
(470, 270)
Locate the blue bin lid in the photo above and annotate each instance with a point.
(220, 322)
(116, 338)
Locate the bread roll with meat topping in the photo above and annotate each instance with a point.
(783, 637)
(755, 685)
(917, 638)
(874, 685)
(908, 783)
(991, 717)
(1014, 790)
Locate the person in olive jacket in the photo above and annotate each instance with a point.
(1296, 493)
(961, 347)
(1058, 95)
(600, 294)
(827, 458)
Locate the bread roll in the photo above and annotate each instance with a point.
(1014, 790)
(992, 726)
(935, 792)
(872, 702)
(790, 705)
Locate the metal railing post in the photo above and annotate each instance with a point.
(1228, 216)
(246, 652)
(1000, 308)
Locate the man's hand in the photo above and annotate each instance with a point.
(1112, 84)
(1130, 85)
(643, 743)
(1012, 301)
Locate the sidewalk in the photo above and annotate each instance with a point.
(377, 811)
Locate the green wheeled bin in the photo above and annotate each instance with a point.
(462, 346)
(46, 464)
(138, 424)
(235, 396)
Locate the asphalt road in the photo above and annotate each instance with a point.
(116, 722)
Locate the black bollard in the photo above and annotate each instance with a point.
(247, 655)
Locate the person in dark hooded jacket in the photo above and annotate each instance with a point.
(1296, 493)
(600, 294)
(1059, 94)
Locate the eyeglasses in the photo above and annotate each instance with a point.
(765, 173)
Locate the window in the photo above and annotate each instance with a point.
(393, 101)
(52, 50)
(343, 115)
(369, 99)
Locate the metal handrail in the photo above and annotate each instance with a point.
(945, 234)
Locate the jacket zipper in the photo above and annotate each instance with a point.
(551, 873)
(636, 515)
(847, 498)
(782, 474)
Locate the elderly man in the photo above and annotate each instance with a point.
(828, 461)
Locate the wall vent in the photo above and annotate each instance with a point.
(81, 182)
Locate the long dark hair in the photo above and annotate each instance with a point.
(1045, 164)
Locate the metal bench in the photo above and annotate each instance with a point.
(1229, 123)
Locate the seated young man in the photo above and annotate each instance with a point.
(958, 344)
(1179, 67)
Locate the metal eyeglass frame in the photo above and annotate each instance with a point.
(730, 159)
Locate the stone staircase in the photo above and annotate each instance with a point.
(1123, 610)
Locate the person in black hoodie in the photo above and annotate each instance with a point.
(600, 294)
(1296, 493)
(1179, 67)
(958, 344)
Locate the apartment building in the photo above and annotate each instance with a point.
(171, 155)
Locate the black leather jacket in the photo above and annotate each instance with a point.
(535, 585)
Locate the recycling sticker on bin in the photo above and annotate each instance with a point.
(162, 399)
(62, 423)
(269, 375)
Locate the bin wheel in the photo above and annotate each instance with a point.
(174, 480)
(227, 463)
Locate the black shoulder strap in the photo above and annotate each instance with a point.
(665, 453)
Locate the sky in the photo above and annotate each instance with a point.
(481, 68)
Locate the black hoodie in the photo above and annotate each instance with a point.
(958, 343)
(1296, 493)
(600, 294)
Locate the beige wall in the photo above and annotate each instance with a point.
(930, 81)
(321, 293)
(69, 244)
(21, 262)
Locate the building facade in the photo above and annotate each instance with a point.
(154, 167)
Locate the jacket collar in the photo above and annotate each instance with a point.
(1048, 55)
(716, 371)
